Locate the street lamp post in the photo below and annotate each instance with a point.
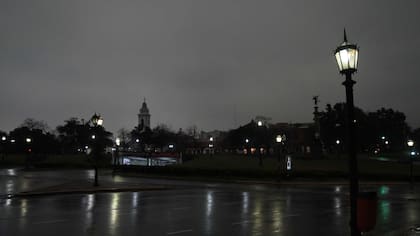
(347, 59)
(248, 150)
(96, 121)
(410, 144)
(279, 140)
(117, 152)
(28, 151)
(211, 146)
(3, 147)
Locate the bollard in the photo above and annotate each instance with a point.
(367, 203)
(288, 165)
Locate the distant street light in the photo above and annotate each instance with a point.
(211, 146)
(118, 141)
(28, 140)
(246, 140)
(347, 59)
(3, 147)
(137, 140)
(279, 139)
(260, 123)
(93, 136)
(117, 152)
(410, 144)
(96, 121)
(337, 141)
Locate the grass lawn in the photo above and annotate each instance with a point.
(226, 165)
(249, 166)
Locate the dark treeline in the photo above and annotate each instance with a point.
(384, 130)
(35, 137)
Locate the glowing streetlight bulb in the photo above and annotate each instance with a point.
(118, 141)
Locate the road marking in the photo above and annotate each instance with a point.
(180, 232)
(49, 222)
(180, 208)
(241, 222)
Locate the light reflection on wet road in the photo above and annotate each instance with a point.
(202, 209)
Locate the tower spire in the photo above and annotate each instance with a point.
(345, 35)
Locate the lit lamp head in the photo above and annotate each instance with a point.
(279, 138)
(211, 139)
(410, 143)
(118, 141)
(260, 123)
(97, 120)
(3, 138)
(347, 56)
(28, 140)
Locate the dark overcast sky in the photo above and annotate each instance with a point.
(201, 62)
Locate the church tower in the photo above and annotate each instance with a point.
(144, 117)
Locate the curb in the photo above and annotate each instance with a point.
(82, 191)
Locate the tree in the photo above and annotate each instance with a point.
(392, 126)
(33, 124)
(73, 135)
(370, 128)
(125, 138)
(33, 136)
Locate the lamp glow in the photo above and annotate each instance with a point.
(410, 143)
(347, 55)
(118, 141)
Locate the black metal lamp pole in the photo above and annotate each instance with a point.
(410, 144)
(354, 173)
(97, 121)
(347, 59)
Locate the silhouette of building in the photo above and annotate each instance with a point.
(144, 117)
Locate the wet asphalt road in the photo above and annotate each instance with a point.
(194, 208)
